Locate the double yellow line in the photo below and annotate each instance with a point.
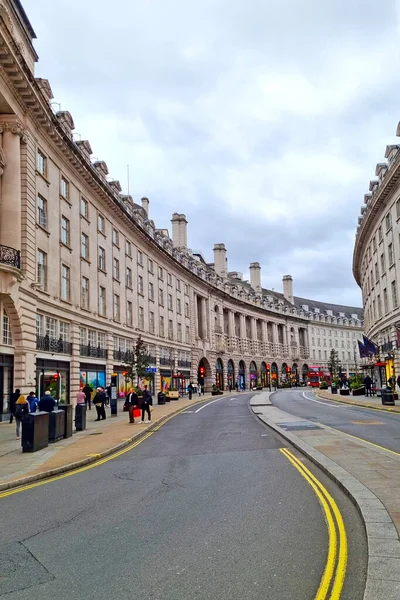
(335, 569)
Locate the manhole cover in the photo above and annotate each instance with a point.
(298, 425)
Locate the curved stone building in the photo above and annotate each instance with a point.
(376, 259)
(84, 269)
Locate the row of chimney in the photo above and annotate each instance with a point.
(179, 239)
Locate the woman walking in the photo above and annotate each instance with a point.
(21, 409)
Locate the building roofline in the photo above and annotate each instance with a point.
(24, 18)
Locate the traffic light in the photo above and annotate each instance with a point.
(201, 371)
(268, 368)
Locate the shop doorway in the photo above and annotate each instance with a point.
(242, 376)
(219, 374)
(231, 375)
(253, 375)
(204, 374)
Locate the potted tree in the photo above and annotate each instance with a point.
(323, 385)
(215, 391)
(334, 367)
(357, 385)
(137, 367)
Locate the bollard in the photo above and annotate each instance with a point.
(80, 417)
(68, 409)
(35, 431)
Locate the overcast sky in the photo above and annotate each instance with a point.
(261, 120)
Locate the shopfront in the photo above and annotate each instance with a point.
(165, 379)
(253, 375)
(274, 374)
(263, 375)
(231, 374)
(53, 376)
(92, 374)
(242, 376)
(6, 382)
(219, 374)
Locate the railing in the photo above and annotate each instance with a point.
(48, 344)
(184, 363)
(166, 361)
(124, 356)
(93, 351)
(152, 359)
(10, 256)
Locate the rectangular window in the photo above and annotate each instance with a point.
(374, 243)
(385, 301)
(140, 258)
(187, 334)
(151, 291)
(161, 332)
(186, 289)
(379, 302)
(169, 301)
(129, 314)
(151, 322)
(101, 339)
(161, 297)
(179, 332)
(84, 208)
(65, 235)
(128, 249)
(115, 237)
(394, 293)
(178, 285)
(42, 269)
(41, 211)
(92, 338)
(140, 285)
(101, 224)
(390, 255)
(141, 318)
(376, 272)
(160, 273)
(178, 306)
(41, 163)
(380, 234)
(51, 328)
(116, 308)
(7, 334)
(128, 278)
(187, 309)
(85, 246)
(64, 188)
(150, 265)
(116, 269)
(102, 259)
(64, 331)
(85, 293)
(102, 301)
(169, 279)
(383, 263)
(398, 208)
(388, 221)
(65, 283)
(170, 329)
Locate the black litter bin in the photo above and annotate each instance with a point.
(80, 417)
(35, 431)
(161, 398)
(56, 425)
(387, 398)
(68, 410)
(333, 389)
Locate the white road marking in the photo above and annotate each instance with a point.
(323, 403)
(205, 405)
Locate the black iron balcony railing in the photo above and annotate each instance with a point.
(123, 355)
(10, 256)
(166, 361)
(93, 351)
(184, 363)
(48, 344)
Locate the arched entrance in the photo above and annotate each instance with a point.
(231, 374)
(263, 374)
(253, 374)
(274, 374)
(295, 374)
(242, 376)
(204, 374)
(219, 374)
(284, 372)
(304, 373)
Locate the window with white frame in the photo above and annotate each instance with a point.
(85, 293)
(141, 318)
(140, 258)
(64, 188)
(85, 246)
(84, 208)
(178, 306)
(169, 301)
(102, 259)
(92, 338)
(151, 291)
(102, 301)
(169, 279)
(186, 289)
(140, 285)
(116, 269)
(129, 314)
(115, 237)
(41, 163)
(65, 283)
(41, 211)
(150, 266)
(161, 297)
(42, 270)
(101, 224)
(178, 285)
(128, 248)
(161, 326)
(65, 231)
(51, 327)
(187, 334)
(101, 339)
(151, 322)
(128, 278)
(161, 273)
(179, 331)
(116, 308)
(7, 333)
(64, 331)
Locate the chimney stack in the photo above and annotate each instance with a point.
(255, 277)
(288, 288)
(145, 205)
(220, 260)
(179, 233)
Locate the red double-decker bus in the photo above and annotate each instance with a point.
(316, 375)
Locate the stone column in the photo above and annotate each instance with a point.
(10, 224)
(275, 333)
(196, 318)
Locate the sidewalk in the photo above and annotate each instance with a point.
(99, 439)
(364, 401)
(369, 475)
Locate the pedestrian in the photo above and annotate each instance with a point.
(199, 389)
(147, 405)
(99, 401)
(13, 399)
(236, 386)
(368, 386)
(190, 390)
(47, 403)
(398, 381)
(131, 401)
(21, 409)
(230, 387)
(33, 402)
(87, 390)
(80, 397)
(108, 395)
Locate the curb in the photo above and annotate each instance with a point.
(370, 406)
(92, 459)
(379, 528)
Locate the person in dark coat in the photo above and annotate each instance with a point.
(368, 385)
(131, 402)
(13, 399)
(147, 402)
(87, 390)
(398, 381)
(99, 401)
(47, 403)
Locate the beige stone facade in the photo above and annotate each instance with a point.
(376, 258)
(84, 270)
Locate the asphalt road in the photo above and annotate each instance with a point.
(375, 426)
(206, 507)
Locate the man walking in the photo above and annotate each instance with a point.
(131, 402)
(147, 402)
(13, 399)
(99, 402)
(87, 390)
(368, 386)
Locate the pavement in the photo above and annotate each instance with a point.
(98, 440)
(373, 402)
(369, 474)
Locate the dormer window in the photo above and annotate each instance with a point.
(305, 307)
(329, 313)
(316, 310)
(341, 314)
(354, 316)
